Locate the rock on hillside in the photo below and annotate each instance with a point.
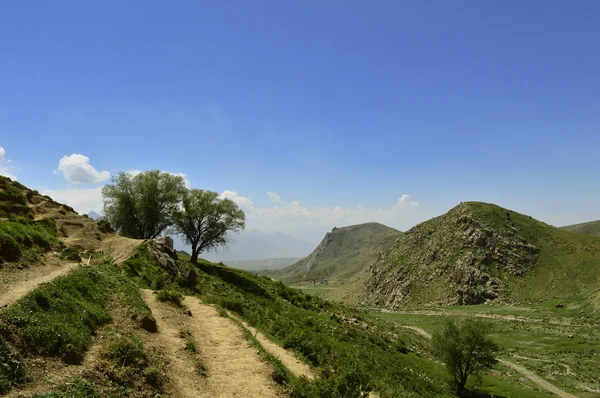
(343, 253)
(478, 252)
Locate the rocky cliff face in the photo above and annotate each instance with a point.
(466, 256)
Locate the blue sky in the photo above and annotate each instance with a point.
(330, 104)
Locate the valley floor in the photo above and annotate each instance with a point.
(554, 349)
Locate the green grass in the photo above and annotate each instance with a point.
(76, 388)
(475, 242)
(537, 339)
(59, 318)
(13, 200)
(587, 228)
(12, 371)
(129, 364)
(170, 297)
(344, 356)
(343, 253)
(25, 238)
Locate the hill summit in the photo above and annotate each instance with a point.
(586, 228)
(480, 252)
(343, 253)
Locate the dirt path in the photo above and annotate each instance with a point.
(286, 357)
(527, 373)
(536, 379)
(187, 383)
(235, 368)
(17, 284)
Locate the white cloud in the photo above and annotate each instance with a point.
(4, 166)
(77, 169)
(310, 223)
(274, 197)
(83, 200)
(242, 201)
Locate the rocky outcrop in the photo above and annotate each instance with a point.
(462, 257)
(160, 251)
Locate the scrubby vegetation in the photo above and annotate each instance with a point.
(12, 372)
(59, 318)
(350, 359)
(129, 364)
(24, 239)
(171, 297)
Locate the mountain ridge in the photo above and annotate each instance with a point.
(343, 253)
(479, 252)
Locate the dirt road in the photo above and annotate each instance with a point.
(527, 373)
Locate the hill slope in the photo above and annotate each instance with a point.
(343, 253)
(478, 252)
(586, 228)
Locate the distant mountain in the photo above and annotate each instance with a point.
(478, 252)
(343, 253)
(269, 264)
(586, 228)
(94, 216)
(253, 244)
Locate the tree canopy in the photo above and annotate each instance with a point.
(204, 219)
(140, 206)
(466, 349)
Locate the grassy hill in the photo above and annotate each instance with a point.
(478, 252)
(343, 253)
(586, 228)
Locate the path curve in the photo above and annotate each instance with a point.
(286, 357)
(235, 368)
(27, 280)
(527, 373)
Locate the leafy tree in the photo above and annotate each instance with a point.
(465, 349)
(140, 206)
(204, 219)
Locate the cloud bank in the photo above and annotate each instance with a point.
(77, 169)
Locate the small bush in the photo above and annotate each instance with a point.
(153, 376)
(126, 350)
(10, 250)
(12, 372)
(70, 254)
(160, 282)
(171, 297)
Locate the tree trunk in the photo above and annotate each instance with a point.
(195, 253)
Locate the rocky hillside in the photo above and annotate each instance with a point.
(586, 228)
(480, 252)
(21, 207)
(343, 253)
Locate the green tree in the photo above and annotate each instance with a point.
(140, 206)
(466, 349)
(204, 219)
